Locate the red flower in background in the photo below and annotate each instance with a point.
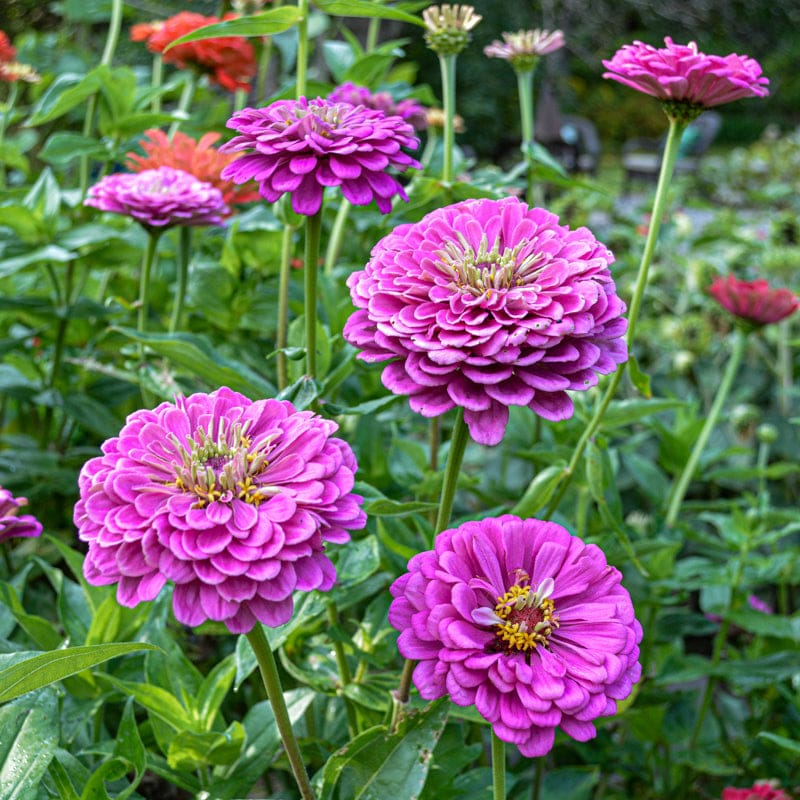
(7, 50)
(197, 157)
(229, 61)
(753, 301)
(760, 790)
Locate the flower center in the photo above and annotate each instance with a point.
(526, 618)
(222, 465)
(488, 270)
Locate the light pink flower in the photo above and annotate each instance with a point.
(754, 302)
(524, 48)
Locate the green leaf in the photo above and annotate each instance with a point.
(51, 252)
(63, 147)
(570, 783)
(791, 745)
(384, 507)
(190, 750)
(128, 746)
(157, 701)
(39, 629)
(214, 688)
(639, 378)
(773, 625)
(66, 92)
(30, 228)
(540, 490)
(46, 668)
(378, 764)
(362, 8)
(626, 412)
(265, 24)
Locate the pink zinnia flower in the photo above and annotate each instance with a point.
(523, 49)
(302, 146)
(409, 109)
(760, 790)
(753, 302)
(485, 304)
(159, 198)
(683, 74)
(522, 620)
(11, 523)
(757, 604)
(231, 500)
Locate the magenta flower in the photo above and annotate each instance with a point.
(230, 499)
(760, 790)
(302, 146)
(485, 304)
(683, 74)
(11, 524)
(753, 302)
(409, 109)
(159, 198)
(522, 620)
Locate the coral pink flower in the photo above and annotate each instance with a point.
(522, 620)
(683, 74)
(753, 302)
(409, 109)
(485, 304)
(198, 158)
(8, 52)
(760, 790)
(302, 146)
(11, 524)
(229, 60)
(159, 198)
(231, 500)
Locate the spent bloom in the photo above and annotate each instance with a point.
(524, 48)
(447, 27)
(485, 304)
(680, 75)
(11, 522)
(228, 61)
(754, 303)
(10, 69)
(409, 109)
(231, 500)
(522, 620)
(760, 790)
(197, 157)
(159, 198)
(301, 146)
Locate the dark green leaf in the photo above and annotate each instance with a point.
(265, 24)
(362, 8)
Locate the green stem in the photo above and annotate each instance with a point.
(272, 683)
(185, 100)
(373, 32)
(281, 335)
(337, 235)
(761, 464)
(498, 767)
(13, 93)
(676, 128)
(112, 37)
(302, 47)
(525, 91)
(785, 366)
(184, 251)
(682, 484)
(311, 267)
(157, 76)
(263, 69)
(432, 139)
(239, 99)
(448, 70)
(144, 280)
(345, 676)
(536, 785)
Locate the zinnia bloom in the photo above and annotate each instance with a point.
(301, 146)
(231, 500)
(229, 60)
(12, 71)
(485, 304)
(447, 27)
(11, 523)
(760, 790)
(409, 109)
(524, 48)
(681, 73)
(7, 50)
(159, 198)
(522, 620)
(753, 302)
(198, 158)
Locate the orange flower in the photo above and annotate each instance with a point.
(198, 158)
(7, 50)
(229, 61)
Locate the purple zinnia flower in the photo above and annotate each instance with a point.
(230, 499)
(301, 146)
(522, 620)
(11, 524)
(485, 304)
(409, 109)
(159, 198)
(681, 73)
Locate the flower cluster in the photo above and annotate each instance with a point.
(760, 790)
(682, 74)
(159, 198)
(229, 61)
(754, 303)
(230, 499)
(198, 158)
(447, 27)
(485, 304)
(522, 620)
(301, 146)
(10, 69)
(11, 523)
(524, 48)
(409, 109)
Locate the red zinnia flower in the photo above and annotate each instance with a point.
(7, 50)
(198, 158)
(760, 790)
(229, 60)
(753, 301)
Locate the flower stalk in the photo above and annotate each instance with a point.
(447, 64)
(498, 767)
(302, 48)
(525, 90)
(184, 253)
(281, 336)
(311, 268)
(185, 100)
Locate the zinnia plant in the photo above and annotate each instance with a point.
(486, 304)
(13, 524)
(409, 109)
(753, 303)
